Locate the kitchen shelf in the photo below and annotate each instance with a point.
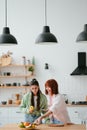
(17, 65)
(15, 73)
(9, 105)
(14, 86)
(17, 76)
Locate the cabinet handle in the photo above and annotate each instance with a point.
(18, 112)
(76, 111)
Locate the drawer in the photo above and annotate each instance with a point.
(16, 120)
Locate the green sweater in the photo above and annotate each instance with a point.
(26, 103)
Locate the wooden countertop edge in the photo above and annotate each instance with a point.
(43, 126)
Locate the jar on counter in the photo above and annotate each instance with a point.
(10, 101)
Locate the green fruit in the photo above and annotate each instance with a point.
(21, 125)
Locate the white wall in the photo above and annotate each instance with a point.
(66, 19)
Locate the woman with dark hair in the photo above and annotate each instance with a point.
(57, 110)
(34, 102)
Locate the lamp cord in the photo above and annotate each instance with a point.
(46, 12)
(6, 13)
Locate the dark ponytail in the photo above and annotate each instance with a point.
(35, 82)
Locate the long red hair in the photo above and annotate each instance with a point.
(51, 83)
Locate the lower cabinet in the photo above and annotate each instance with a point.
(15, 115)
(78, 115)
(10, 115)
(3, 116)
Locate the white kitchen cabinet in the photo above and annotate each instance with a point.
(4, 116)
(78, 114)
(15, 115)
(10, 115)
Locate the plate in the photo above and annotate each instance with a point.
(27, 126)
(29, 129)
(56, 125)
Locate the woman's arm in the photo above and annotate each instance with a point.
(46, 114)
(38, 121)
(23, 107)
(44, 104)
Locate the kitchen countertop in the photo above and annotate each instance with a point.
(15, 105)
(74, 105)
(43, 126)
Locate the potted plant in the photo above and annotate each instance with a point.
(31, 69)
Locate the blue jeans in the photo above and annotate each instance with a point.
(55, 121)
(30, 118)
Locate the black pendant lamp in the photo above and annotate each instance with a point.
(6, 38)
(46, 37)
(82, 37)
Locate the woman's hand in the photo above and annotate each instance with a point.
(31, 109)
(38, 120)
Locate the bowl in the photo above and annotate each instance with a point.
(27, 126)
(29, 129)
(4, 102)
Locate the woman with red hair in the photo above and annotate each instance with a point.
(57, 110)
